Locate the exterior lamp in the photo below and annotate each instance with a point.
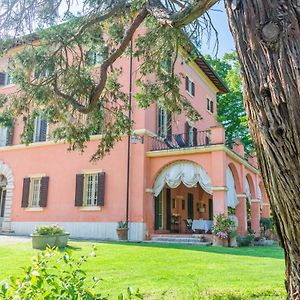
(135, 138)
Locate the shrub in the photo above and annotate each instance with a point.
(49, 230)
(245, 241)
(223, 227)
(52, 276)
(266, 223)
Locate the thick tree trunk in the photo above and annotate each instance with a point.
(267, 37)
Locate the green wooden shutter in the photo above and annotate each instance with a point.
(2, 78)
(25, 195)
(101, 189)
(195, 133)
(43, 130)
(193, 88)
(79, 190)
(156, 212)
(44, 191)
(3, 198)
(186, 83)
(168, 208)
(187, 132)
(10, 136)
(190, 212)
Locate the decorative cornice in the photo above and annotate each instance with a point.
(203, 149)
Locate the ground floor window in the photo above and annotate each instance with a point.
(90, 189)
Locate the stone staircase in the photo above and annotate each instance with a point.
(187, 239)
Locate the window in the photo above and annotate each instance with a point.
(40, 130)
(189, 86)
(191, 134)
(167, 65)
(3, 136)
(209, 105)
(90, 189)
(5, 79)
(164, 123)
(35, 192)
(94, 58)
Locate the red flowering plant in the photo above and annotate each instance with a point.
(224, 227)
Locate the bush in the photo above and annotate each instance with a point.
(224, 227)
(266, 223)
(56, 276)
(49, 230)
(245, 241)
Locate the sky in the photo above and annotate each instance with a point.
(219, 19)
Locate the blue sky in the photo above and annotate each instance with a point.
(219, 20)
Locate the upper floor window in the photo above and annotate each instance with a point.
(94, 58)
(167, 65)
(209, 105)
(189, 86)
(164, 123)
(40, 130)
(6, 135)
(5, 79)
(191, 134)
(90, 189)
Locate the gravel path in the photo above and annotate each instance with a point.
(13, 239)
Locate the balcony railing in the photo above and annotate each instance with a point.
(181, 140)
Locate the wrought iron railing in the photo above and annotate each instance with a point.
(181, 140)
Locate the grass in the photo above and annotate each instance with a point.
(172, 271)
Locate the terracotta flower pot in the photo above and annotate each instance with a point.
(122, 234)
(220, 242)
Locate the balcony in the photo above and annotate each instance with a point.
(182, 140)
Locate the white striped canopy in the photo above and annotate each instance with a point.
(187, 172)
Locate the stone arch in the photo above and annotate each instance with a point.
(6, 171)
(251, 186)
(236, 176)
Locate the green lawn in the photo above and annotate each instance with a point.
(172, 271)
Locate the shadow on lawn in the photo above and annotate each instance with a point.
(268, 252)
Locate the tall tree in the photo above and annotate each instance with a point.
(267, 37)
(231, 110)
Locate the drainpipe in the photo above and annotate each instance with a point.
(129, 135)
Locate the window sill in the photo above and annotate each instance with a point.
(34, 209)
(211, 113)
(90, 208)
(190, 94)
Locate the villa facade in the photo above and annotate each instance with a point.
(169, 171)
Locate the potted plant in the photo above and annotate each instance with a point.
(49, 235)
(223, 230)
(122, 231)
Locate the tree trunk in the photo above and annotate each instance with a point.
(267, 37)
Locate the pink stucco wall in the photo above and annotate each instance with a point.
(62, 166)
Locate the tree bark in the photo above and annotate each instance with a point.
(267, 37)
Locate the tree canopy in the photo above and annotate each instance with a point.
(231, 110)
(59, 46)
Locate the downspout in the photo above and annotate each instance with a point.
(129, 134)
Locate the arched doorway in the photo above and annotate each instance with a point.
(182, 191)
(6, 196)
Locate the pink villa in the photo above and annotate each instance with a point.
(171, 176)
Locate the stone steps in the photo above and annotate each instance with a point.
(179, 239)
